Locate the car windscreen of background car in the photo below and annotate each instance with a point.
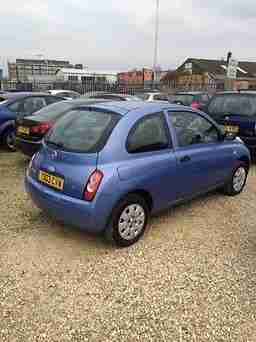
(237, 104)
(83, 130)
(53, 111)
(185, 99)
(143, 97)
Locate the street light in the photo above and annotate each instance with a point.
(155, 62)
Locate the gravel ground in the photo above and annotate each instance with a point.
(192, 277)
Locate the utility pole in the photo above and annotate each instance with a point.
(155, 62)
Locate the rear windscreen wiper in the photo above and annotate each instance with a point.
(56, 144)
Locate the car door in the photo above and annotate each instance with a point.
(151, 164)
(204, 159)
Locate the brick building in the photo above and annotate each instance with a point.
(136, 77)
(210, 75)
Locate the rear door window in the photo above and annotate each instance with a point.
(238, 104)
(83, 130)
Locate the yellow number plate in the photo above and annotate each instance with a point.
(53, 181)
(23, 130)
(231, 129)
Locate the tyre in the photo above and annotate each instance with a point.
(9, 139)
(128, 221)
(238, 180)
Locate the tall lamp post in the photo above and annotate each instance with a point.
(155, 62)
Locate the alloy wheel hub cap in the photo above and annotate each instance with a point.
(239, 179)
(131, 221)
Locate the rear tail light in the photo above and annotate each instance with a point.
(195, 105)
(92, 185)
(42, 128)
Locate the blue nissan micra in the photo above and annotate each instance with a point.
(107, 167)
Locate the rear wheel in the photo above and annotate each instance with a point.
(237, 183)
(9, 139)
(128, 222)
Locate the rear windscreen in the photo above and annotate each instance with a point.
(184, 99)
(83, 130)
(53, 111)
(236, 104)
(143, 97)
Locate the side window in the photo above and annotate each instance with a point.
(160, 97)
(16, 107)
(204, 98)
(53, 99)
(192, 128)
(148, 134)
(33, 104)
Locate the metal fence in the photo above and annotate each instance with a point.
(80, 87)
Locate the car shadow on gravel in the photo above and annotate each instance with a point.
(48, 225)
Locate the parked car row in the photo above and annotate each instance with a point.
(18, 105)
(105, 166)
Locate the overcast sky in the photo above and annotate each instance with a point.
(119, 34)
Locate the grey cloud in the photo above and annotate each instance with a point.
(109, 36)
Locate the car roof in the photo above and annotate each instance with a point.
(190, 93)
(112, 94)
(12, 96)
(251, 92)
(123, 108)
(84, 101)
(56, 91)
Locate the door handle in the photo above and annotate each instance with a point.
(185, 159)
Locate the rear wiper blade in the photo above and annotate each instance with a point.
(53, 143)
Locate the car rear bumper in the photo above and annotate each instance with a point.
(77, 213)
(29, 148)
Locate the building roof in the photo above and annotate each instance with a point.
(219, 67)
(74, 71)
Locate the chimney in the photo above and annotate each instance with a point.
(229, 56)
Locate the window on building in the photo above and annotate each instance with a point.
(73, 78)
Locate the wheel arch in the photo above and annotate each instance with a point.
(246, 160)
(5, 127)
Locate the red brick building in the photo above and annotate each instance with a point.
(136, 77)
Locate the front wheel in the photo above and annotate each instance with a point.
(9, 140)
(128, 222)
(237, 183)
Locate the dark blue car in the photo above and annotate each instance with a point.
(14, 105)
(236, 113)
(106, 167)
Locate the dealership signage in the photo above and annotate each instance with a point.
(232, 69)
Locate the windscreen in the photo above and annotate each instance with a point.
(144, 96)
(237, 104)
(53, 111)
(83, 130)
(184, 99)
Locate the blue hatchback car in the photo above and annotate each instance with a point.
(107, 167)
(19, 105)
